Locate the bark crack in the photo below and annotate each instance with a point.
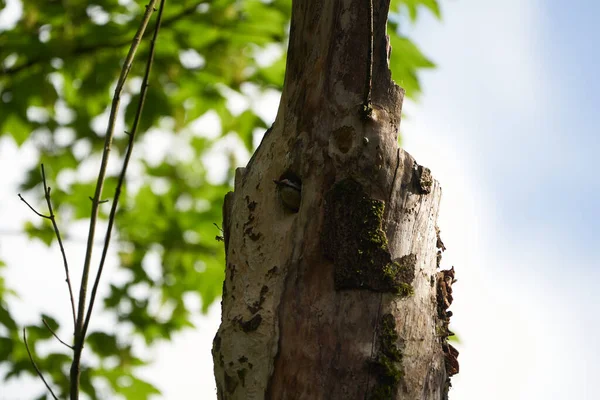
(367, 108)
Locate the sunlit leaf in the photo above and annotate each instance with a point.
(405, 60)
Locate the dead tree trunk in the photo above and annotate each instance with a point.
(336, 297)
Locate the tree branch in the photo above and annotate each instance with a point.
(60, 244)
(36, 367)
(81, 316)
(52, 219)
(32, 209)
(131, 134)
(55, 335)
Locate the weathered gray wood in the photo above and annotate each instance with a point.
(338, 300)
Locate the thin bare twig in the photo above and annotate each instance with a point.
(100, 202)
(81, 312)
(131, 134)
(33, 209)
(55, 335)
(52, 219)
(36, 367)
(60, 244)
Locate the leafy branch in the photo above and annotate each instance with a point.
(80, 50)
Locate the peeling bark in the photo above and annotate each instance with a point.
(338, 299)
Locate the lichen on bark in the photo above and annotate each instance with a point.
(354, 239)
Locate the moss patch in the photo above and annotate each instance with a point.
(388, 363)
(400, 273)
(353, 238)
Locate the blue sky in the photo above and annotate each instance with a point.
(508, 123)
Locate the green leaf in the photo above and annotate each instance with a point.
(86, 383)
(139, 390)
(131, 387)
(454, 338)
(17, 127)
(6, 318)
(37, 332)
(157, 105)
(103, 344)
(412, 7)
(6, 348)
(55, 362)
(43, 232)
(405, 60)
(52, 323)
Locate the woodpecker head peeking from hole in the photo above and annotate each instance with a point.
(290, 193)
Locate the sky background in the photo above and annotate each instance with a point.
(508, 123)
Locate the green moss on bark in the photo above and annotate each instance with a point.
(354, 239)
(387, 365)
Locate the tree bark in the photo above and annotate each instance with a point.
(338, 298)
